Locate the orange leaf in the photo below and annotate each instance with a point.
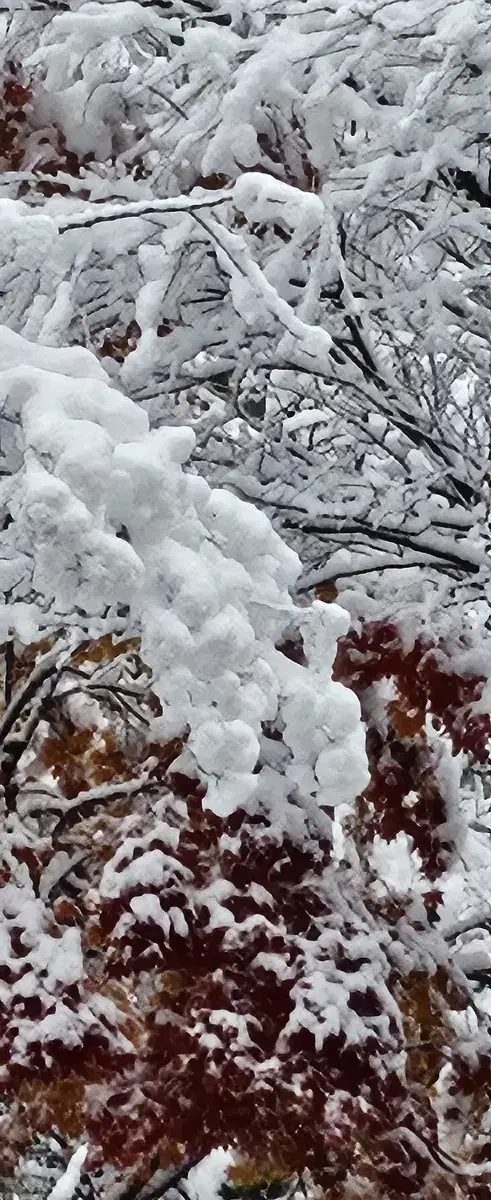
(104, 649)
(327, 592)
(407, 721)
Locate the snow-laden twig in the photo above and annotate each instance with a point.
(446, 1162)
(65, 1187)
(66, 808)
(140, 208)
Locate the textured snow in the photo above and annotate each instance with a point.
(396, 867)
(152, 868)
(263, 198)
(205, 1180)
(55, 959)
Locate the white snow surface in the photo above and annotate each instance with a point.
(205, 1180)
(397, 867)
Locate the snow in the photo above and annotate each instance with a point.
(71, 362)
(396, 867)
(223, 747)
(60, 960)
(149, 908)
(153, 868)
(205, 1180)
(340, 771)
(263, 198)
(65, 1187)
(55, 960)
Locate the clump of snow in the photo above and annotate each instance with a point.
(397, 867)
(64, 1188)
(264, 198)
(153, 867)
(205, 577)
(28, 239)
(204, 1182)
